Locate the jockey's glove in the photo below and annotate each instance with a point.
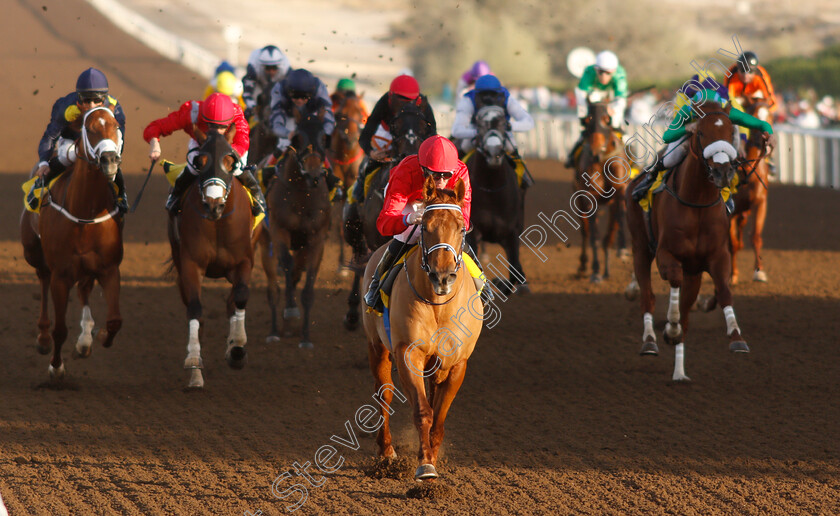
(415, 217)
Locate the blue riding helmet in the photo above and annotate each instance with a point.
(301, 81)
(488, 83)
(224, 66)
(92, 81)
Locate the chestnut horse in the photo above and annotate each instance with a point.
(77, 238)
(498, 204)
(687, 232)
(752, 194)
(299, 211)
(409, 129)
(345, 153)
(435, 319)
(211, 237)
(601, 145)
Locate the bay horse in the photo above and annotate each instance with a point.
(601, 145)
(498, 203)
(77, 238)
(262, 139)
(752, 194)
(687, 232)
(212, 237)
(299, 212)
(409, 129)
(345, 154)
(426, 340)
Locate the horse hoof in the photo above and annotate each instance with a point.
(351, 323)
(649, 348)
(236, 357)
(82, 351)
(45, 347)
(706, 303)
(305, 344)
(501, 286)
(344, 272)
(272, 339)
(523, 289)
(624, 255)
(760, 276)
(196, 380)
(425, 472)
(193, 363)
(595, 278)
(56, 374)
(291, 313)
(680, 378)
(390, 453)
(631, 293)
(739, 346)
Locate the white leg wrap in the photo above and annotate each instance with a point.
(672, 328)
(731, 323)
(648, 320)
(237, 329)
(679, 363)
(86, 337)
(193, 346)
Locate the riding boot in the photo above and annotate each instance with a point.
(181, 184)
(650, 172)
(522, 173)
(480, 282)
(250, 182)
(334, 185)
(122, 198)
(56, 168)
(392, 253)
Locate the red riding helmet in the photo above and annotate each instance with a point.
(438, 154)
(405, 86)
(217, 109)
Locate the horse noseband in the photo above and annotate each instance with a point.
(424, 257)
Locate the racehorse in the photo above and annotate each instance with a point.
(299, 209)
(601, 144)
(77, 238)
(212, 237)
(427, 339)
(262, 138)
(752, 193)
(409, 129)
(345, 153)
(687, 232)
(498, 204)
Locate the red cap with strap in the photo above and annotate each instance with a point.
(438, 154)
(405, 86)
(217, 109)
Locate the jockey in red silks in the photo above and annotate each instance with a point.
(438, 159)
(216, 113)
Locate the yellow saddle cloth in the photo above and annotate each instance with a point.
(30, 193)
(647, 201)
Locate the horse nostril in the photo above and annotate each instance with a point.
(434, 277)
(450, 279)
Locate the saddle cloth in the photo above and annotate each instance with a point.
(659, 184)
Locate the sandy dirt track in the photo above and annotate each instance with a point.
(558, 414)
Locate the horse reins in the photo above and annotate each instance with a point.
(424, 265)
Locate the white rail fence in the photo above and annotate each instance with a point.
(803, 156)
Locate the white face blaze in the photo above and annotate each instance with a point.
(214, 191)
(720, 151)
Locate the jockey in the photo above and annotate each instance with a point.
(750, 81)
(227, 84)
(677, 140)
(348, 86)
(606, 77)
(467, 80)
(266, 67)
(216, 113)
(56, 150)
(437, 158)
(403, 90)
(489, 91)
(302, 90)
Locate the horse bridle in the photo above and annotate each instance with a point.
(424, 256)
(410, 136)
(93, 154)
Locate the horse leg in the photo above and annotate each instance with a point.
(414, 360)
(269, 262)
(190, 283)
(758, 242)
(736, 241)
(290, 269)
(85, 340)
(379, 359)
(45, 341)
(110, 282)
(584, 233)
(516, 275)
(622, 253)
(687, 295)
(312, 258)
(593, 241)
(719, 270)
(351, 318)
(235, 354)
(444, 395)
(60, 290)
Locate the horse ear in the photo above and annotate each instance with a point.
(200, 136)
(361, 95)
(335, 97)
(727, 108)
(429, 188)
(460, 191)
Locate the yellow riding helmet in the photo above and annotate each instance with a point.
(228, 84)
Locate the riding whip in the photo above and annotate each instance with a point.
(140, 193)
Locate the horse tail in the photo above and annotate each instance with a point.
(169, 272)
